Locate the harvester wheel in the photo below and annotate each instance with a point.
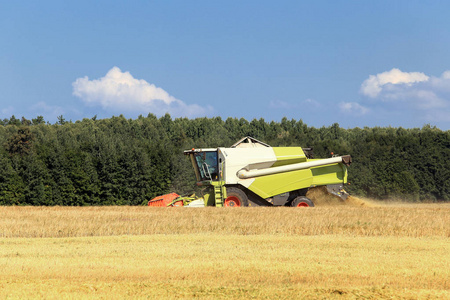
(302, 201)
(235, 197)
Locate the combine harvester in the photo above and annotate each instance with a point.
(252, 173)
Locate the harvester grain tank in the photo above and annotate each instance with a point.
(252, 173)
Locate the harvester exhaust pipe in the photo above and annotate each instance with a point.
(244, 174)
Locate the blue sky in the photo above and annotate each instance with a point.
(357, 63)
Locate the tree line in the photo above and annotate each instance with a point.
(119, 161)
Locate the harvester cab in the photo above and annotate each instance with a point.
(252, 173)
(205, 164)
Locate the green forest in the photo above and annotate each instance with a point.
(120, 161)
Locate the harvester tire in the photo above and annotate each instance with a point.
(235, 198)
(302, 201)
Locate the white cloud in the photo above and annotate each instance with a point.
(426, 99)
(415, 92)
(446, 75)
(120, 91)
(353, 108)
(374, 85)
(415, 89)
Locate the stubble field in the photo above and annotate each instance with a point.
(342, 252)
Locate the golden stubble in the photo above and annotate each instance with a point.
(405, 221)
(385, 252)
(224, 266)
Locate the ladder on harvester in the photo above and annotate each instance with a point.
(220, 192)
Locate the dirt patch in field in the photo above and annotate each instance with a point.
(321, 197)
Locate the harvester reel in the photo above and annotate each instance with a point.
(235, 198)
(302, 201)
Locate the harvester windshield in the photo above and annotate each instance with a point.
(206, 164)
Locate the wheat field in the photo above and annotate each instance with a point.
(426, 220)
(396, 251)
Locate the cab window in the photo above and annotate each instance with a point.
(207, 165)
